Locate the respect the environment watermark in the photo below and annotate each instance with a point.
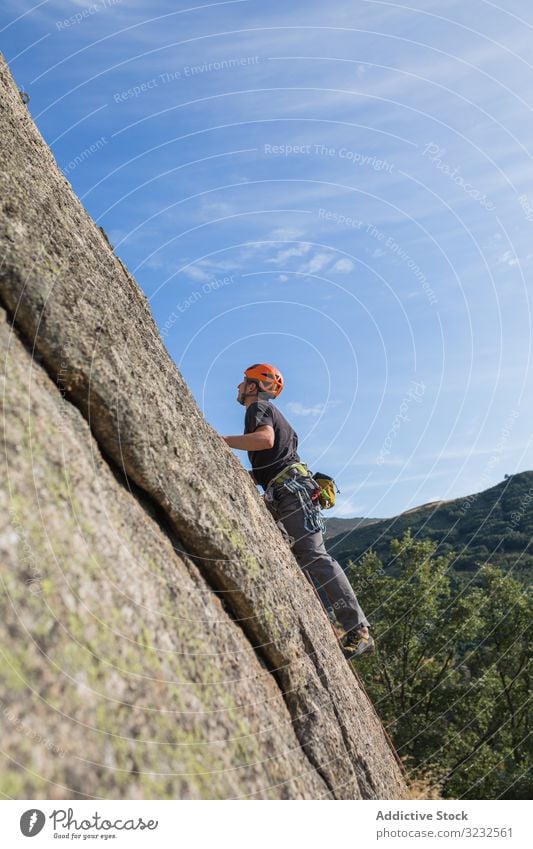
(387, 243)
(186, 72)
(392, 246)
(85, 154)
(340, 219)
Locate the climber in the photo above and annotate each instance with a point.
(288, 485)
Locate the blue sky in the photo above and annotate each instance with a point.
(343, 189)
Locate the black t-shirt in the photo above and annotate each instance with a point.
(268, 463)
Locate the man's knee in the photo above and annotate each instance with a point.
(312, 560)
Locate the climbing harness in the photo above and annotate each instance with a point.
(320, 495)
(287, 473)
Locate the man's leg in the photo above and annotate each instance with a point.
(310, 552)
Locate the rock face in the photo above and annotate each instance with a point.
(159, 639)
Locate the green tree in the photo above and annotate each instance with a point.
(450, 677)
(493, 748)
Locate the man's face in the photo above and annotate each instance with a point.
(244, 390)
(241, 392)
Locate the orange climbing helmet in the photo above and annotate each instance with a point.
(268, 378)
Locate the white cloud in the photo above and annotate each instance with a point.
(316, 263)
(508, 258)
(346, 508)
(298, 409)
(196, 273)
(206, 269)
(282, 256)
(286, 234)
(343, 266)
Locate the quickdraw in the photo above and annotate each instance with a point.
(313, 520)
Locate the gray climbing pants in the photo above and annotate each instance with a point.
(312, 557)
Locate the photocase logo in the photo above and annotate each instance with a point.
(32, 822)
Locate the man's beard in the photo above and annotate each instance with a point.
(240, 398)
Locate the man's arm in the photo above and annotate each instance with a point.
(259, 440)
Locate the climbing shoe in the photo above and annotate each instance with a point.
(355, 644)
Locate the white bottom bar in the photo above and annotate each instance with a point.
(265, 824)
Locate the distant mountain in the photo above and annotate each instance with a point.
(494, 526)
(335, 527)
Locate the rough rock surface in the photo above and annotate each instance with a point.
(160, 640)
